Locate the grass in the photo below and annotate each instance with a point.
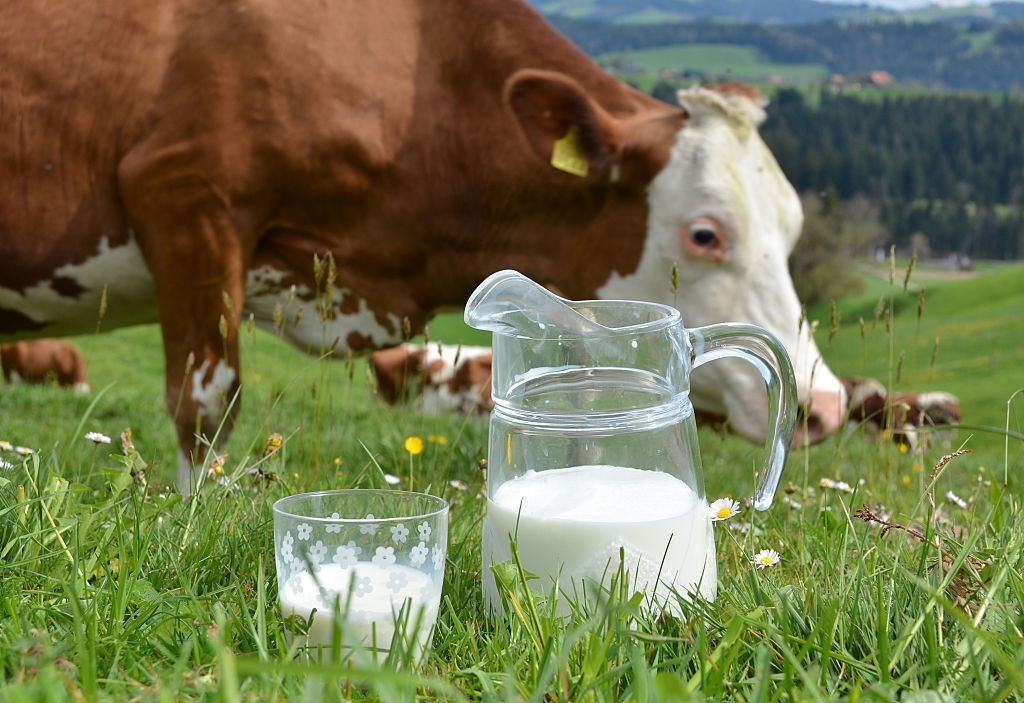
(115, 590)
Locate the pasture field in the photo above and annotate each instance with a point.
(900, 577)
(720, 61)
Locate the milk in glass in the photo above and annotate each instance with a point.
(370, 598)
(572, 523)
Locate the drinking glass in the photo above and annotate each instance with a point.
(361, 570)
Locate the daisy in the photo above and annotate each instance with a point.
(954, 498)
(97, 437)
(392, 480)
(765, 558)
(837, 485)
(723, 509)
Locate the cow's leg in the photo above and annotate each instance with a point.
(198, 261)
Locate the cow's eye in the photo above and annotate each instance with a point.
(702, 235)
(705, 238)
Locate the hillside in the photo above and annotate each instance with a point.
(948, 51)
(765, 11)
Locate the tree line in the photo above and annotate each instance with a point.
(948, 170)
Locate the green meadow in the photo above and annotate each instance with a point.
(720, 61)
(900, 573)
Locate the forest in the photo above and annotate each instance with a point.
(949, 169)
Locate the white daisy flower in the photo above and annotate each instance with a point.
(97, 437)
(723, 509)
(766, 558)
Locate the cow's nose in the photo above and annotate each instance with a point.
(820, 418)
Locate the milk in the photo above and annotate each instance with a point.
(379, 595)
(571, 523)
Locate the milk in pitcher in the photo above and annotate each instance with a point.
(572, 523)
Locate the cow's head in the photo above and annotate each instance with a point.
(723, 215)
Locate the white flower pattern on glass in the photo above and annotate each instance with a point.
(369, 528)
(424, 530)
(334, 528)
(304, 530)
(397, 581)
(363, 585)
(438, 557)
(317, 552)
(384, 556)
(399, 533)
(418, 554)
(345, 555)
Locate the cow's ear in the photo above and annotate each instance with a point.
(563, 125)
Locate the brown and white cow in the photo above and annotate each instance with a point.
(904, 416)
(185, 161)
(44, 361)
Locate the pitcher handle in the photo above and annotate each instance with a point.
(762, 349)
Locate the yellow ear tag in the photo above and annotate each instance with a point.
(567, 154)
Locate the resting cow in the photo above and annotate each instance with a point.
(904, 416)
(185, 160)
(44, 361)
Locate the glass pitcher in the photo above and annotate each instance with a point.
(593, 461)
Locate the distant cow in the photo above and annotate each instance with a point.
(340, 170)
(44, 361)
(437, 378)
(902, 415)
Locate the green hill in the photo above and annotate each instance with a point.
(973, 327)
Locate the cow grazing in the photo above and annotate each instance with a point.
(44, 361)
(902, 415)
(196, 162)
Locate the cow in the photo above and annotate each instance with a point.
(44, 361)
(203, 162)
(436, 378)
(901, 416)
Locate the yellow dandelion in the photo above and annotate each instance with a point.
(413, 445)
(337, 461)
(905, 480)
(904, 448)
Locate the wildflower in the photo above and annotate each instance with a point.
(765, 558)
(796, 505)
(413, 445)
(337, 461)
(6, 465)
(458, 485)
(97, 437)
(954, 498)
(5, 445)
(24, 451)
(273, 444)
(216, 470)
(392, 480)
(437, 439)
(836, 485)
(723, 509)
